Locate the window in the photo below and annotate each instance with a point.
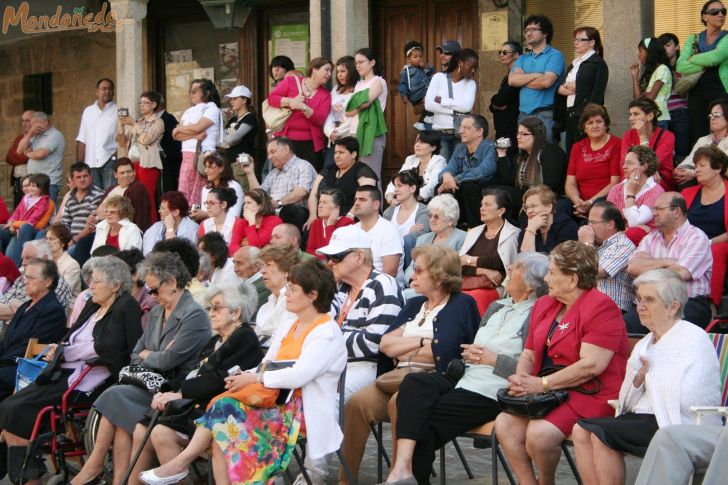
(681, 18)
(38, 92)
(566, 16)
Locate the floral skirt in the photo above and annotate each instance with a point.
(257, 442)
(191, 182)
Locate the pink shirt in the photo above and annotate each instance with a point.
(299, 127)
(79, 349)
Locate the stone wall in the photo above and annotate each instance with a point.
(76, 60)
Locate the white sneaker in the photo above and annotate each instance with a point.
(301, 480)
(419, 126)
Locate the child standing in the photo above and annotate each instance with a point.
(655, 81)
(415, 77)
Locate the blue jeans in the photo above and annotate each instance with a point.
(680, 126)
(14, 247)
(81, 251)
(546, 116)
(664, 124)
(104, 175)
(53, 193)
(447, 145)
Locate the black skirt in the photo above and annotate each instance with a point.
(630, 433)
(18, 412)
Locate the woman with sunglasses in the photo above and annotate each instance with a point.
(426, 336)
(177, 332)
(504, 104)
(585, 82)
(706, 52)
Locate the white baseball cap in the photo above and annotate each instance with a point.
(346, 238)
(239, 91)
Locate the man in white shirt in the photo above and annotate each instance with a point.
(387, 245)
(97, 135)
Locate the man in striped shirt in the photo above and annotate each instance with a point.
(677, 245)
(366, 305)
(78, 214)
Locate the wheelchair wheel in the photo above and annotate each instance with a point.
(89, 440)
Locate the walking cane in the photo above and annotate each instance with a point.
(135, 458)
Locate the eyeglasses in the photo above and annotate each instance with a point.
(193, 91)
(212, 308)
(145, 102)
(337, 258)
(529, 207)
(523, 133)
(211, 202)
(153, 291)
(435, 217)
(532, 29)
(581, 39)
(418, 270)
(505, 53)
(716, 11)
(714, 115)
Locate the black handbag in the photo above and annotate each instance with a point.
(53, 371)
(536, 406)
(143, 377)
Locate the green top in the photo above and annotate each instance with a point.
(371, 121)
(692, 64)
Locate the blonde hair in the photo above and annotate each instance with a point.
(443, 264)
(126, 210)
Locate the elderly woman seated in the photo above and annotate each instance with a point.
(546, 224)
(316, 347)
(579, 329)
(234, 344)
(659, 387)
(434, 408)
(107, 328)
(427, 334)
(177, 331)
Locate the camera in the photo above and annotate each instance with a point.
(233, 371)
(503, 143)
(195, 207)
(244, 159)
(123, 112)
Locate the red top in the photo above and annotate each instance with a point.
(593, 168)
(8, 269)
(665, 149)
(593, 319)
(258, 236)
(319, 234)
(4, 214)
(113, 241)
(299, 127)
(13, 157)
(690, 193)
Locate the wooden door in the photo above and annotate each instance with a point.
(396, 22)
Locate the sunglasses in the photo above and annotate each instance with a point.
(153, 291)
(715, 115)
(337, 258)
(716, 11)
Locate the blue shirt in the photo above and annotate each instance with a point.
(548, 60)
(473, 167)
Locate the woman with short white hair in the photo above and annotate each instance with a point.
(671, 369)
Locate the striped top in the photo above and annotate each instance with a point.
(370, 316)
(76, 212)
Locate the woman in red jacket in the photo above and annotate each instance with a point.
(259, 219)
(219, 202)
(310, 103)
(643, 114)
(329, 219)
(708, 210)
(579, 329)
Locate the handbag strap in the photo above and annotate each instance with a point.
(660, 132)
(42, 353)
(552, 369)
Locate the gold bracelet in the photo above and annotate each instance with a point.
(545, 384)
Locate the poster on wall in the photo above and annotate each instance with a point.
(291, 40)
(229, 60)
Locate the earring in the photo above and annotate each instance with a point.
(459, 70)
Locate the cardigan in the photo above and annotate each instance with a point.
(316, 372)
(690, 193)
(149, 134)
(259, 236)
(594, 319)
(591, 82)
(422, 216)
(455, 324)
(432, 173)
(455, 241)
(553, 162)
(507, 241)
(130, 235)
(703, 141)
(136, 192)
(692, 64)
(683, 371)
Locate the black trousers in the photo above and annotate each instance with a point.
(432, 412)
(294, 214)
(469, 195)
(697, 311)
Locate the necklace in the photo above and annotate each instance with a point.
(428, 311)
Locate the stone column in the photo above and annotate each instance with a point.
(349, 27)
(625, 23)
(129, 52)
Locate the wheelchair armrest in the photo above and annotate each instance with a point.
(701, 411)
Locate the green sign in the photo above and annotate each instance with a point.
(291, 40)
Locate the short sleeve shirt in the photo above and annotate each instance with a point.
(295, 173)
(662, 73)
(52, 165)
(548, 60)
(593, 168)
(386, 241)
(347, 183)
(192, 116)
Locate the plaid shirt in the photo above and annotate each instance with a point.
(297, 172)
(614, 254)
(690, 248)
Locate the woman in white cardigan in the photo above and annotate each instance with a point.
(314, 341)
(672, 368)
(489, 249)
(426, 162)
(116, 229)
(718, 113)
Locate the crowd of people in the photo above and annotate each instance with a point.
(248, 285)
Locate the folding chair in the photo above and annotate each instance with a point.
(720, 342)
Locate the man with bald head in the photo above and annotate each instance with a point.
(288, 236)
(44, 146)
(247, 265)
(18, 160)
(677, 245)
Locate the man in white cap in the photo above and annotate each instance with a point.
(367, 302)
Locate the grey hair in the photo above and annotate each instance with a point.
(39, 115)
(115, 271)
(205, 265)
(670, 287)
(253, 254)
(446, 204)
(88, 269)
(243, 297)
(535, 266)
(42, 246)
(165, 266)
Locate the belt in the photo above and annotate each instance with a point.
(544, 108)
(447, 132)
